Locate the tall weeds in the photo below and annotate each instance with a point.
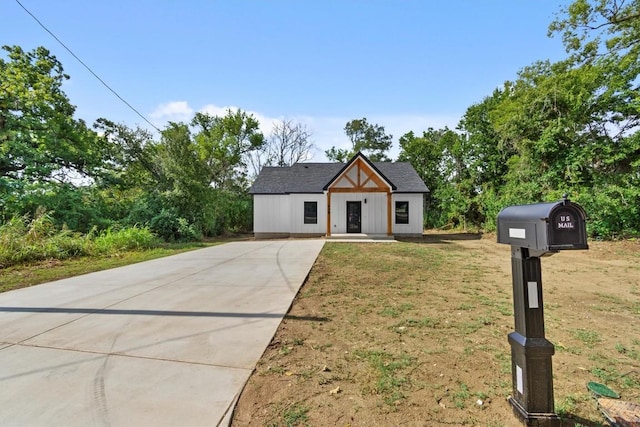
(132, 238)
(24, 239)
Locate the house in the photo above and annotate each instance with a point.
(324, 199)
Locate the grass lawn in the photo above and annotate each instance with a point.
(415, 333)
(22, 276)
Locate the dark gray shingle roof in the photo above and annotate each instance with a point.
(312, 178)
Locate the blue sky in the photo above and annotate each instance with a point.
(406, 65)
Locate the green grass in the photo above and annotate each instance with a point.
(285, 350)
(295, 415)
(112, 241)
(607, 374)
(589, 338)
(461, 396)
(289, 415)
(396, 310)
(425, 322)
(414, 329)
(567, 406)
(33, 250)
(389, 376)
(34, 273)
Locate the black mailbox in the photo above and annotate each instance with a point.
(534, 231)
(544, 227)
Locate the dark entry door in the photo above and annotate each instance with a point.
(354, 216)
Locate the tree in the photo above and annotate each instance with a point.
(132, 156)
(459, 196)
(489, 153)
(370, 139)
(559, 128)
(44, 152)
(425, 153)
(288, 143)
(590, 26)
(605, 34)
(444, 161)
(226, 144)
(39, 139)
(205, 167)
(183, 164)
(190, 183)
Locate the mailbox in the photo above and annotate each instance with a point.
(544, 227)
(534, 231)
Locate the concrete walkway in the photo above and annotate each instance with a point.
(169, 342)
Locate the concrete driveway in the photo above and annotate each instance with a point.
(169, 342)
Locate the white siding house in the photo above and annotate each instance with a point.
(321, 199)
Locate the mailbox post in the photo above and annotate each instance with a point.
(533, 231)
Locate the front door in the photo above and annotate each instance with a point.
(354, 211)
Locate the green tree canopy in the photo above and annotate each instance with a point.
(39, 138)
(369, 139)
(45, 154)
(224, 145)
(566, 127)
(592, 28)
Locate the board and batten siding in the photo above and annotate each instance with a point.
(373, 217)
(297, 214)
(416, 213)
(283, 214)
(271, 213)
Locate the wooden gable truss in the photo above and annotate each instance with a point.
(360, 176)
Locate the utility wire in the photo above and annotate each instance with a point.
(88, 68)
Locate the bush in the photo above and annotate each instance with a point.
(612, 211)
(25, 240)
(171, 227)
(132, 238)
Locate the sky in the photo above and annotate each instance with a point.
(406, 65)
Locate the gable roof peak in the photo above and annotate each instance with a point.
(369, 163)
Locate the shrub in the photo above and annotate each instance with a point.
(132, 238)
(169, 226)
(24, 240)
(612, 211)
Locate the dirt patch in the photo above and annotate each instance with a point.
(415, 333)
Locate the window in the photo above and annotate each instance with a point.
(402, 212)
(310, 212)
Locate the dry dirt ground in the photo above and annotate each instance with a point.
(414, 333)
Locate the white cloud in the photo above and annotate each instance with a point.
(174, 111)
(214, 110)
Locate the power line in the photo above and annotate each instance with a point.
(88, 68)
